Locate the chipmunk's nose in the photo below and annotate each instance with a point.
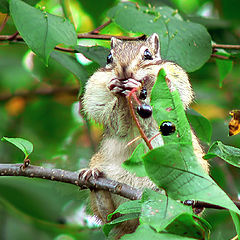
(125, 73)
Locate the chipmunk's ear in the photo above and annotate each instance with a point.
(114, 42)
(153, 40)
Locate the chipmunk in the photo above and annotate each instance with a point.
(130, 64)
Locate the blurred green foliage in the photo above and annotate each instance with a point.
(49, 118)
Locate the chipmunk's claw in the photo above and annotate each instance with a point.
(86, 174)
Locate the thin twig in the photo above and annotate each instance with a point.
(97, 30)
(66, 49)
(13, 36)
(219, 57)
(226, 46)
(4, 23)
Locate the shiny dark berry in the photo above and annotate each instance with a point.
(147, 55)
(144, 111)
(109, 58)
(167, 128)
(143, 94)
(188, 202)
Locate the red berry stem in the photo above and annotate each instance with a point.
(133, 94)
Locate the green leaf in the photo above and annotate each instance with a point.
(227, 153)
(97, 54)
(185, 225)
(201, 125)
(40, 30)
(134, 163)
(71, 64)
(109, 226)
(224, 67)
(130, 210)
(127, 207)
(22, 144)
(145, 232)
(174, 168)
(192, 41)
(168, 106)
(159, 210)
(4, 4)
(236, 221)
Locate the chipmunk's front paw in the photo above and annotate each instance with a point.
(123, 87)
(87, 173)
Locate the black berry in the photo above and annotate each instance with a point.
(144, 111)
(143, 94)
(167, 128)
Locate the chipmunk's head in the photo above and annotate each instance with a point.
(141, 61)
(128, 58)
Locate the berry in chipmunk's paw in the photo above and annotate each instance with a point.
(144, 111)
(143, 94)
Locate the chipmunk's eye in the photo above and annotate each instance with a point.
(147, 55)
(109, 58)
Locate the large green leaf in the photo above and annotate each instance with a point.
(40, 30)
(145, 232)
(201, 126)
(174, 166)
(4, 4)
(183, 42)
(185, 225)
(168, 106)
(227, 153)
(159, 210)
(71, 64)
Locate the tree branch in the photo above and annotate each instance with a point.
(80, 36)
(70, 177)
(101, 183)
